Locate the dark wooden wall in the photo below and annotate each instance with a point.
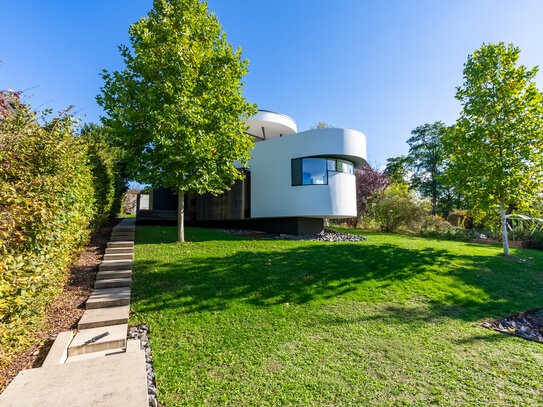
(233, 204)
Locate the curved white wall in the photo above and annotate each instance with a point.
(272, 193)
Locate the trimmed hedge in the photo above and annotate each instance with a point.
(49, 203)
(107, 173)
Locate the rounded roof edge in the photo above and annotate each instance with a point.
(266, 124)
(280, 114)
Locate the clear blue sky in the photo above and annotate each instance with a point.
(381, 67)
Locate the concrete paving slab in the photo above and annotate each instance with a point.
(98, 339)
(129, 228)
(127, 221)
(59, 351)
(120, 250)
(119, 256)
(124, 229)
(121, 244)
(113, 381)
(120, 238)
(113, 282)
(130, 235)
(132, 345)
(109, 297)
(104, 275)
(101, 354)
(95, 318)
(115, 265)
(123, 232)
(125, 224)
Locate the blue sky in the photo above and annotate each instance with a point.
(381, 67)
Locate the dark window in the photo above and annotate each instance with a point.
(296, 171)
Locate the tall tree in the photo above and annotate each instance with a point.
(426, 159)
(322, 125)
(496, 147)
(397, 169)
(177, 109)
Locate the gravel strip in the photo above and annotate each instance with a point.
(140, 332)
(328, 235)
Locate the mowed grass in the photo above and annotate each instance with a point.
(391, 321)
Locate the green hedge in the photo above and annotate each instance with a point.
(51, 184)
(107, 173)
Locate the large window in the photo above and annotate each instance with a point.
(314, 171)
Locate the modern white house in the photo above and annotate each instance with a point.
(295, 180)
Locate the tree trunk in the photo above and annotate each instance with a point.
(181, 217)
(504, 231)
(434, 194)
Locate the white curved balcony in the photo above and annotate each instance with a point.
(266, 125)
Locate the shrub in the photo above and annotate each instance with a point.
(47, 203)
(395, 207)
(452, 233)
(462, 218)
(435, 222)
(536, 239)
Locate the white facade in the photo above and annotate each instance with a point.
(273, 190)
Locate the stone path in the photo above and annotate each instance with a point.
(94, 365)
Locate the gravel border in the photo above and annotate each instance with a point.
(328, 235)
(140, 332)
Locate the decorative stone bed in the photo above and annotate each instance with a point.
(527, 325)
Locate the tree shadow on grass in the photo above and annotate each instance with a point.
(467, 287)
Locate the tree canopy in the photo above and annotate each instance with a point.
(322, 125)
(426, 159)
(177, 108)
(397, 169)
(495, 149)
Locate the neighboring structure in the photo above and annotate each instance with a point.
(134, 200)
(295, 180)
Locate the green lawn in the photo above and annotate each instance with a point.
(391, 321)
